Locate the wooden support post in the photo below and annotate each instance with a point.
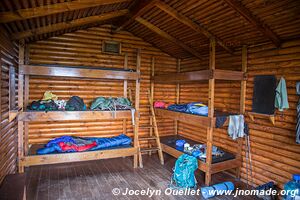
(151, 95)
(137, 110)
(211, 97)
(26, 102)
(177, 94)
(20, 105)
(242, 106)
(125, 88)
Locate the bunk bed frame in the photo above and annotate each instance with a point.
(24, 117)
(212, 74)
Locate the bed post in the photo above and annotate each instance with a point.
(125, 88)
(211, 97)
(152, 72)
(26, 99)
(137, 109)
(20, 105)
(177, 94)
(242, 105)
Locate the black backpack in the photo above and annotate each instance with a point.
(75, 103)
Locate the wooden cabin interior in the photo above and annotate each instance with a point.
(63, 60)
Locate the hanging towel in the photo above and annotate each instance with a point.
(281, 98)
(298, 115)
(236, 126)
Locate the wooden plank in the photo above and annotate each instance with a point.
(125, 88)
(12, 88)
(73, 115)
(140, 8)
(242, 106)
(175, 153)
(188, 22)
(225, 165)
(77, 157)
(177, 94)
(183, 77)
(78, 72)
(262, 27)
(21, 106)
(229, 75)
(137, 156)
(51, 9)
(69, 24)
(187, 118)
(168, 37)
(186, 77)
(211, 107)
(13, 187)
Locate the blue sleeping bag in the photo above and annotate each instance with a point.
(178, 107)
(102, 143)
(196, 108)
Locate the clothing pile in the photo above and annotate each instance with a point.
(197, 150)
(76, 144)
(50, 102)
(109, 103)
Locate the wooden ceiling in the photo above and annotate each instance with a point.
(181, 28)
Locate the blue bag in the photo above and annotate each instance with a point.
(197, 108)
(183, 176)
(178, 107)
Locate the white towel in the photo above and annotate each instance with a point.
(236, 126)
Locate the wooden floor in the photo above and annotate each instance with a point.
(97, 179)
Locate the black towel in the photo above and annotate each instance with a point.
(264, 94)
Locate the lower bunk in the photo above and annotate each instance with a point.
(55, 158)
(66, 149)
(219, 163)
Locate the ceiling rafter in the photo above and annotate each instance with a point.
(29, 13)
(168, 37)
(262, 27)
(188, 22)
(137, 10)
(70, 24)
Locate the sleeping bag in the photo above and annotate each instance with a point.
(76, 144)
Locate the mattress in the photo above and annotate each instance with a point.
(171, 142)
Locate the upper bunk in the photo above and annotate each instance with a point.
(194, 118)
(83, 72)
(78, 72)
(202, 75)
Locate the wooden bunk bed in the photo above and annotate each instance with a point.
(208, 166)
(26, 155)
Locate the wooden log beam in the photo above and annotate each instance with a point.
(168, 37)
(263, 28)
(140, 8)
(188, 22)
(24, 14)
(70, 24)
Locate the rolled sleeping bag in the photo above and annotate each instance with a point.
(218, 189)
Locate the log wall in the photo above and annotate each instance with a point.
(274, 151)
(83, 48)
(8, 130)
(275, 154)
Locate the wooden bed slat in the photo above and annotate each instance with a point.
(77, 72)
(73, 115)
(77, 156)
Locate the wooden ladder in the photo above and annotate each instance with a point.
(152, 128)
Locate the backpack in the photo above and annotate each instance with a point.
(75, 103)
(41, 105)
(183, 176)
